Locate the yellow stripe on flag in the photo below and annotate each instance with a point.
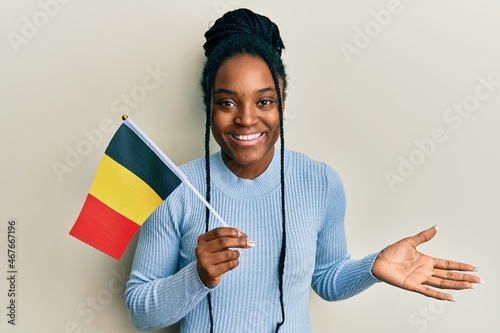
(120, 189)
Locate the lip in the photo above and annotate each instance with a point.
(246, 143)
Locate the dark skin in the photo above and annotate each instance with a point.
(245, 116)
(217, 255)
(245, 124)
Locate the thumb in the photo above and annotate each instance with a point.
(424, 236)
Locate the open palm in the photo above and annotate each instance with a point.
(401, 265)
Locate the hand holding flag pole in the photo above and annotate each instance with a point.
(217, 216)
(132, 180)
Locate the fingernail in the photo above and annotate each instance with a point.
(452, 298)
(251, 243)
(436, 227)
(476, 269)
(481, 281)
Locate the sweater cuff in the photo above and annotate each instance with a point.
(370, 260)
(193, 279)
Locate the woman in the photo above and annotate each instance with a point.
(212, 278)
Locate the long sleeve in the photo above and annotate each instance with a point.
(337, 276)
(158, 293)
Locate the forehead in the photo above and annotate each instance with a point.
(243, 72)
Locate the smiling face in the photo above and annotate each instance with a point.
(245, 117)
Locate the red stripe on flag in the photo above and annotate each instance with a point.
(103, 228)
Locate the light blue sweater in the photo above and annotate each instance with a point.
(164, 286)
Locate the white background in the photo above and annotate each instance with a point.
(361, 112)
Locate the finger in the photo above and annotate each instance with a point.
(456, 276)
(448, 284)
(215, 273)
(423, 236)
(453, 265)
(223, 232)
(214, 266)
(220, 258)
(211, 268)
(207, 250)
(223, 243)
(429, 292)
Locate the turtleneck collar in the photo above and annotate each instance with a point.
(231, 185)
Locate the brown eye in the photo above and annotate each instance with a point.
(266, 102)
(226, 104)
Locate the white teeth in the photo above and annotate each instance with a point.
(247, 137)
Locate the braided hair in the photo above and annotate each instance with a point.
(241, 32)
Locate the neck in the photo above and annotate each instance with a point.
(247, 171)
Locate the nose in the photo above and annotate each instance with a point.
(246, 116)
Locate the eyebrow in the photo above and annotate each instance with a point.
(232, 92)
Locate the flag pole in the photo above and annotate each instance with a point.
(217, 216)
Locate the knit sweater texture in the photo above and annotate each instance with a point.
(165, 287)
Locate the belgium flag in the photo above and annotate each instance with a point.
(132, 180)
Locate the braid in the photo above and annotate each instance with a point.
(281, 266)
(208, 114)
(208, 107)
(243, 21)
